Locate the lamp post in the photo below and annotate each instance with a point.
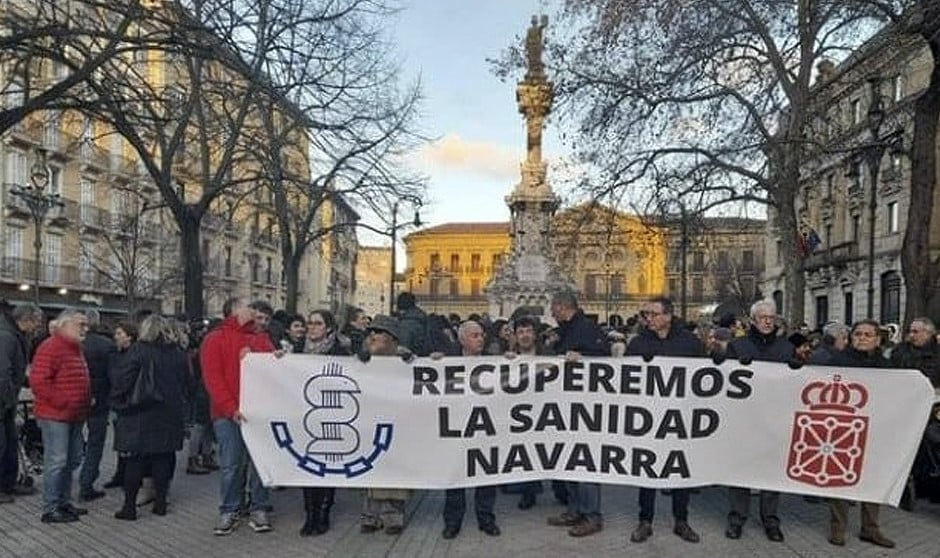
(872, 153)
(394, 234)
(39, 204)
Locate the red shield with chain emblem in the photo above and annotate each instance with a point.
(827, 446)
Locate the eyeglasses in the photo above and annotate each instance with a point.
(864, 334)
(312, 323)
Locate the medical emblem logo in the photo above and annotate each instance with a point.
(827, 448)
(331, 425)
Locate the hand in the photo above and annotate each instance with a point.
(279, 353)
(437, 355)
(239, 417)
(572, 356)
(406, 356)
(510, 355)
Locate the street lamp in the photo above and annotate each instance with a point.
(872, 153)
(39, 204)
(416, 222)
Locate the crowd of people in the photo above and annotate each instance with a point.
(156, 380)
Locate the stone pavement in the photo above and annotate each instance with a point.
(187, 530)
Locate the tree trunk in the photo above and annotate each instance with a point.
(292, 279)
(191, 258)
(916, 258)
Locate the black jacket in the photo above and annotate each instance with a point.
(757, 346)
(823, 355)
(157, 427)
(413, 330)
(852, 358)
(99, 352)
(582, 335)
(679, 342)
(13, 359)
(926, 359)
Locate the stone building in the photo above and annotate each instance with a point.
(835, 201)
(373, 274)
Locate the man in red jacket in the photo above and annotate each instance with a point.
(220, 355)
(62, 390)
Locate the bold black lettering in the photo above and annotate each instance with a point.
(592, 420)
(518, 457)
(424, 378)
(453, 379)
(630, 379)
(479, 421)
(573, 377)
(704, 422)
(676, 464)
(739, 379)
(630, 417)
(613, 457)
(657, 384)
(643, 460)
(505, 373)
(544, 373)
(581, 457)
(600, 374)
(476, 458)
(523, 420)
(475, 384)
(550, 416)
(707, 382)
(443, 424)
(672, 423)
(549, 460)
(613, 418)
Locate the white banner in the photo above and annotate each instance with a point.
(673, 422)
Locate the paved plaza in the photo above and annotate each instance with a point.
(187, 529)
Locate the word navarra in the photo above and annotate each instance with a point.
(626, 379)
(635, 462)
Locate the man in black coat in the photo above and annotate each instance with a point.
(99, 350)
(835, 340)
(15, 328)
(762, 344)
(920, 351)
(578, 336)
(664, 337)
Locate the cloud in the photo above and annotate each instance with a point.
(453, 153)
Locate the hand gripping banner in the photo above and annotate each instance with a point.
(849, 433)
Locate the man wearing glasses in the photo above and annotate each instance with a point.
(762, 344)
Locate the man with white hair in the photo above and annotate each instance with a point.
(470, 336)
(835, 340)
(761, 344)
(919, 351)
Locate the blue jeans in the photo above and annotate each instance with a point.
(584, 500)
(232, 460)
(62, 454)
(94, 448)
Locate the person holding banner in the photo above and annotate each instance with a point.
(220, 357)
(471, 339)
(384, 507)
(664, 337)
(864, 351)
(578, 336)
(762, 344)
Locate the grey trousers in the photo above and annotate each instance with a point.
(740, 499)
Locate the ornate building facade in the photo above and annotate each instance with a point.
(373, 274)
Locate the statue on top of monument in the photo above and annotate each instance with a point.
(534, 46)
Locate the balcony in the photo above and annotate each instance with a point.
(264, 239)
(13, 205)
(93, 217)
(20, 269)
(835, 256)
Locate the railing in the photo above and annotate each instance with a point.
(837, 255)
(21, 269)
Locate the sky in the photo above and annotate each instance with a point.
(479, 135)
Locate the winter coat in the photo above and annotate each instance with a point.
(581, 335)
(339, 346)
(413, 331)
(679, 342)
(155, 427)
(823, 355)
(220, 358)
(926, 359)
(757, 346)
(13, 351)
(853, 358)
(196, 391)
(59, 380)
(98, 351)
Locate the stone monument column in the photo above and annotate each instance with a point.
(530, 274)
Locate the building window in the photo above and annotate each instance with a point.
(830, 186)
(698, 261)
(828, 233)
(616, 285)
(748, 288)
(51, 257)
(747, 260)
(475, 287)
(890, 297)
(435, 286)
(435, 262)
(856, 229)
(267, 271)
(779, 253)
(848, 308)
(51, 129)
(698, 289)
(855, 107)
(898, 90)
(723, 262)
(454, 287)
(778, 300)
(497, 261)
(822, 311)
(475, 263)
(228, 261)
(896, 166)
(590, 286)
(16, 168)
(14, 243)
(893, 217)
(455, 263)
(55, 180)
(255, 268)
(673, 286)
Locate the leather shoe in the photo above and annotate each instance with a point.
(58, 516)
(69, 508)
(733, 531)
(450, 532)
(773, 532)
(836, 538)
(642, 532)
(527, 501)
(877, 539)
(91, 495)
(491, 529)
(685, 532)
(394, 530)
(564, 519)
(585, 528)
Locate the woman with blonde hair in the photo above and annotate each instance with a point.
(147, 393)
